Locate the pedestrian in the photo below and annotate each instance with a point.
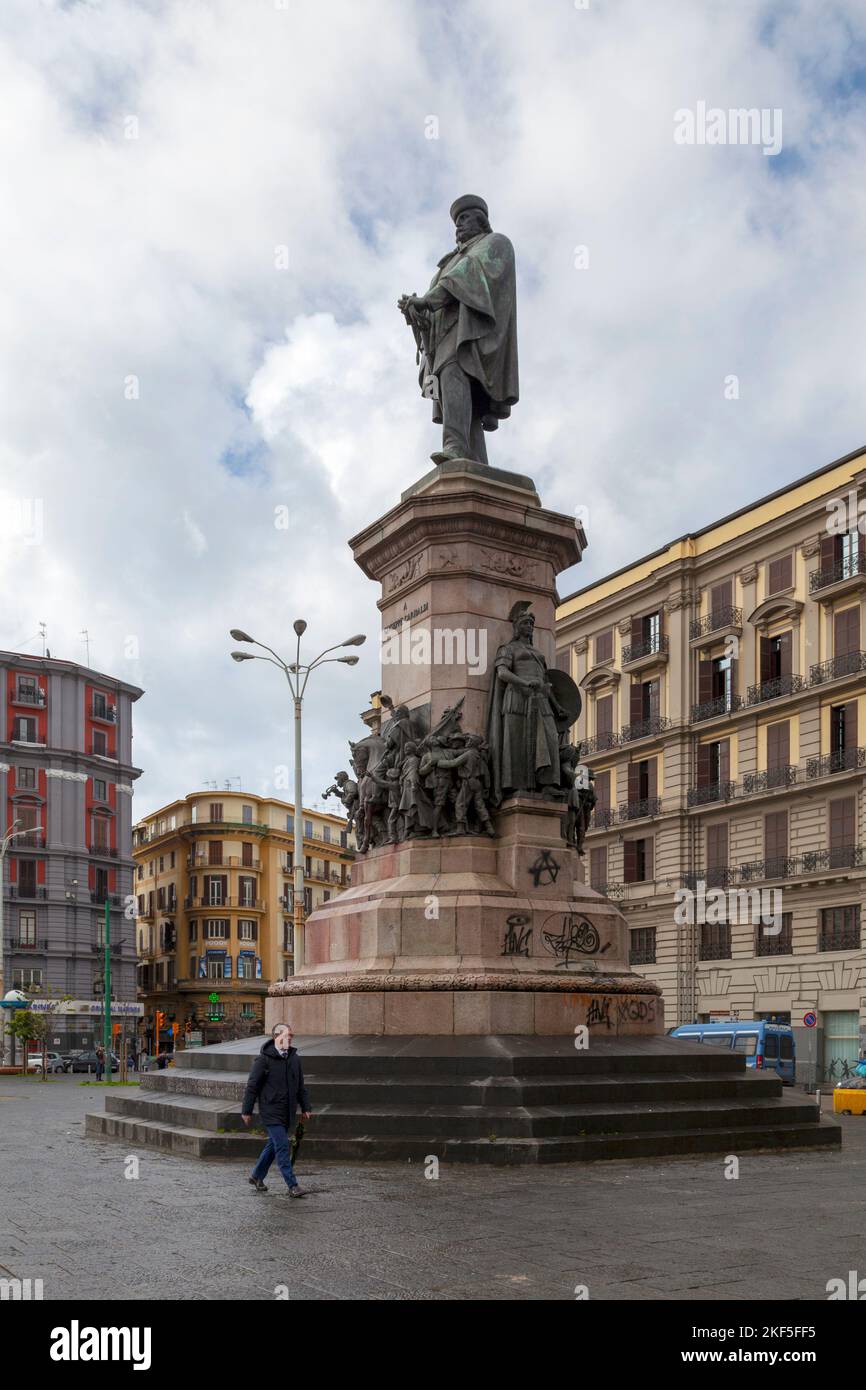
(161, 1059)
(133, 1057)
(100, 1063)
(276, 1081)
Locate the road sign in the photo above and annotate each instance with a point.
(810, 1019)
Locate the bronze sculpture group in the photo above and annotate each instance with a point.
(409, 782)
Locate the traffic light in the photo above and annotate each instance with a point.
(160, 1022)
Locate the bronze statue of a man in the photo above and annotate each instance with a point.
(466, 329)
(522, 715)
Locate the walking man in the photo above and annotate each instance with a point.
(276, 1081)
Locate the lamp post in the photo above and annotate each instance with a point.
(10, 835)
(297, 674)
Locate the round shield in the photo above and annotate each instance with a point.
(567, 695)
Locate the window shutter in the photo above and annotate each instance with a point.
(785, 651)
(635, 705)
(780, 574)
(851, 724)
(652, 777)
(661, 618)
(604, 646)
(724, 760)
(828, 552)
(846, 632)
(717, 846)
(721, 596)
(704, 765)
(598, 867)
(653, 697)
(602, 790)
(766, 660)
(648, 860)
(227, 967)
(843, 814)
(636, 631)
(604, 715)
(705, 681)
(563, 660)
(629, 867)
(778, 745)
(634, 782)
(776, 835)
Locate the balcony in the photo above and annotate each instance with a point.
(722, 704)
(257, 905)
(34, 698)
(714, 791)
(843, 570)
(22, 944)
(229, 861)
(847, 665)
(761, 869)
(26, 892)
(775, 689)
(603, 817)
(105, 851)
(609, 890)
(204, 826)
(724, 619)
(106, 712)
(635, 810)
(841, 760)
(113, 898)
(645, 728)
(783, 776)
(98, 948)
(794, 866)
(600, 743)
(30, 839)
(646, 651)
(97, 752)
(719, 876)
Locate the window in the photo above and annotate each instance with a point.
(215, 971)
(642, 781)
(715, 943)
(290, 822)
(644, 701)
(843, 736)
(604, 721)
(717, 854)
(192, 931)
(246, 967)
(780, 574)
(288, 935)
(776, 844)
(326, 833)
(778, 944)
(215, 852)
(26, 878)
(778, 751)
(26, 928)
(26, 979)
(247, 892)
(638, 861)
(100, 706)
(247, 856)
(308, 900)
(776, 657)
(308, 829)
(840, 929)
(843, 832)
(308, 866)
(216, 928)
(247, 930)
(100, 832)
(99, 789)
(747, 1044)
(216, 811)
(846, 634)
(604, 646)
(247, 815)
(100, 744)
(161, 863)
(646, 635)
(25, 730)
(344, 839)
(215, 888)
(28, 689)
(326, 896)
(25, 778)
(848, 553)
(642, 946)
(598, 868)
(721, 599)
(171, 860)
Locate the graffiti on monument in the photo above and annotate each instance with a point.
(517, 940)
(598, 1013)
(576, 936)
(545, 869)
(636, 1010)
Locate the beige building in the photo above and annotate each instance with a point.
(213, 884)
(723, 680)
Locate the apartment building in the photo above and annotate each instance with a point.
(724, 719)
(66, 780)
(214, 908)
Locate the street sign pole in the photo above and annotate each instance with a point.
(106, 1021)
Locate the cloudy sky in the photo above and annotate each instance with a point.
(210, 208)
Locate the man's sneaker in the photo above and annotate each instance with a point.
(297, 1191)
(258, 1184)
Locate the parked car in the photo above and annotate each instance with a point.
(86, 1061)
(55, 1063)
(766, 1046)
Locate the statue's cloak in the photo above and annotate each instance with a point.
(480, 329)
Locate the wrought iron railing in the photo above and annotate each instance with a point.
(714, 791)
(27, 890)
(609, 890)
(783, 776)
(782, 867)
(845, 665)
(634, 810)
(843, 569)
(603, 817)
(642, 956)
(600, 743)
(715, 950)
(840, 760)
(722, 704)
(29, 697)
(652, 646)
(775, 688)
(839, 940)
(22, 944)
(725, 617)
(105, 851)
(780, 945)
(717, 877)
(645, 728)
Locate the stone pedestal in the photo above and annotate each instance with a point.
(466, 934)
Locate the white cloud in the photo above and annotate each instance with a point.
(265, 388)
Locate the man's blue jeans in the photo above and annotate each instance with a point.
(278, 1147)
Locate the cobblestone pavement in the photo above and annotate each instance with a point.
(663, 1229)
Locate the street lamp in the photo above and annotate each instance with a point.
(10, 835)
(297, 674)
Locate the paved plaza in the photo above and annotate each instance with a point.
(184, 1229)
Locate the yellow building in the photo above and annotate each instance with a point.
(724, 718)
(213, 883)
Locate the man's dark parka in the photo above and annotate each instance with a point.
(277, 1083)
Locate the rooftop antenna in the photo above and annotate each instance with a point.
(86, 635)
(43, 633)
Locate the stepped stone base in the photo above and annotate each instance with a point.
(490, 1099)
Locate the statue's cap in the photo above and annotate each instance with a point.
(469, 200)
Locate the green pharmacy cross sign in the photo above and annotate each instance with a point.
(213, 1016)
